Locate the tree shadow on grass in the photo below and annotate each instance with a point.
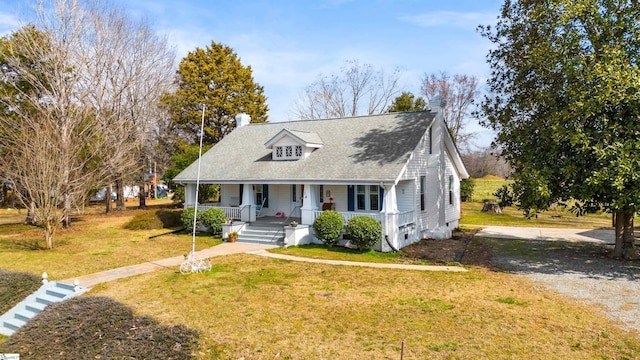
(585, 259)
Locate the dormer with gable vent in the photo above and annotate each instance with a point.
(293, 144)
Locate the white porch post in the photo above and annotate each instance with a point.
(390, 216)
(248, 205)
(189, 195)
(310, 205)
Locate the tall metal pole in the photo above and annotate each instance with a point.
(195, 210)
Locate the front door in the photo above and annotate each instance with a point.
(296, 199)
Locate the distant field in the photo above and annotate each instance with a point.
(486, 187)
(511, 216)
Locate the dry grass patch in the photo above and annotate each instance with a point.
(260, 308)
(472, 215)
(95, 242)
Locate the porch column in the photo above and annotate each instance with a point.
(248, 205)
(189, 195)
(390, 217)
(310, 205)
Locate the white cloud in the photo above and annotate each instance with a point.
(465, 20)
(8, 23)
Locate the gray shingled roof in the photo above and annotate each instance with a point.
(359, 149)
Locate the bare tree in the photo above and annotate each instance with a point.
(459, 93)
(78, 90)
(359, 89)
(131, 69)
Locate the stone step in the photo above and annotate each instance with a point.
(47, 299)
(24, 311)
(59, 293)
(35, 307)
(262, 235)
(14, 324)
(25, 316)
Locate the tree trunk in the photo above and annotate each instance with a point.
(31, 215)
(120, 206)
(107, 199)
(625, 238)
(49, 232)
(66, 216)
(142, 196)
(491, 207)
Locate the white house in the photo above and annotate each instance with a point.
(400, 168)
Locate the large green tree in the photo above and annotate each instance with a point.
(565, 103)
(215, 77)
(407, 102)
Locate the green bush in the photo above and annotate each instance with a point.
(328, 226)
(364, 231)
(154, 219)
(187, 219)
(93, 327)
(213, 218)
(15, 286)
(466, 189)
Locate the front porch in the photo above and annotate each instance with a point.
(281, 204)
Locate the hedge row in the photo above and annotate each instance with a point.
(96, 327)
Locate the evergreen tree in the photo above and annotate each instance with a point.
(214, 77)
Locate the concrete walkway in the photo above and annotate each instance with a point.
(550, 234)
(92, 280)
(357, 263)
(131, 270)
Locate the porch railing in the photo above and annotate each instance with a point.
(405, 218)
(349, 215)
(232, 212)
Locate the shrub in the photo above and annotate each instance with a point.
(213, 218)
(364, 231)
(187, 219)
(328, 226)
(466, 189)
(154, 219)
(92, 327)
(15, 286)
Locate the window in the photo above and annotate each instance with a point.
(374, 196)
(278, 151)
(288, 151)
(299, 151)
(361, 197)
(422, 193)
(367, 198)
(431, 140)
(321, 193)
(450, 189)
(294, 192)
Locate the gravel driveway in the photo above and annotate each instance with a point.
(574, 267)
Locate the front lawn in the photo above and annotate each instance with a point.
(259, 308)
(95, 242)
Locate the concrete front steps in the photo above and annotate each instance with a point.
(50, 292)
(261, 234)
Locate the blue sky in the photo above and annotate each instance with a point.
(289, 43)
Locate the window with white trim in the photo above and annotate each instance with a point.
(299, 151)
(288, 151)
(367, 198)
(278, 151)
